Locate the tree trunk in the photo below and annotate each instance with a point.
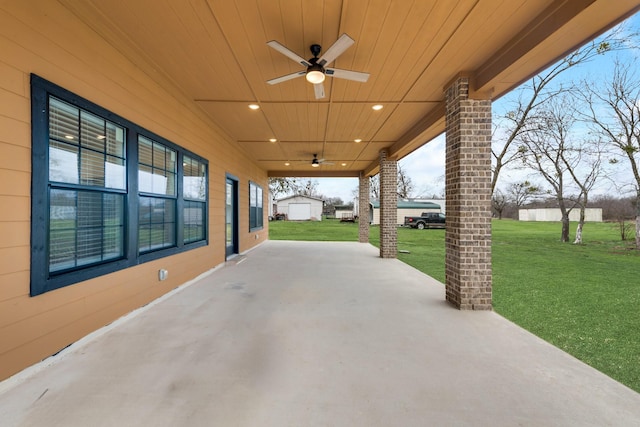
(565, 227)
(578, 240)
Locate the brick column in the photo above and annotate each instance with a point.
(468, 199)
(363, 209)
(388, 206)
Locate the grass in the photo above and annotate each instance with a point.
(584, 299)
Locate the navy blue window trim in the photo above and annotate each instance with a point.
(109, 224)
(255, 207)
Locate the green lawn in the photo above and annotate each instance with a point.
(584, 299)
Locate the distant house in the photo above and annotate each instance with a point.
(405, 208)
(300, 208)
(345, 211)
(554, 215)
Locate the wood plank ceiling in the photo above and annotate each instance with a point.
(215, 53)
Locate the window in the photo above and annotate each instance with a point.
(255, 207)
(157, 202)
(105, 193)
(195, 194)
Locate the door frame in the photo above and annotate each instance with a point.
(234, 248)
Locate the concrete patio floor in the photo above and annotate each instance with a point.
(314, 334)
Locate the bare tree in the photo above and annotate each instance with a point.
(512, 126)
(589, 156)
(308, 188)
(499, 202)
(521, 192)
(615, 114)
(547, 148)
(374, 186)
(282, 186)
(405, 186)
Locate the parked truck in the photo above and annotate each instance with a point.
(426, 220)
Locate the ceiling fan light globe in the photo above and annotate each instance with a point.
(315, 76)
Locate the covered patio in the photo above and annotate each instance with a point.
(313, 334)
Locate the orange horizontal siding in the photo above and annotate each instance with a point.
(44, 38)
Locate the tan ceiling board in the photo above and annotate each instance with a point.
(404, 117)
(348, 121)
(297, 121)
(301, 151)
(371, 151)
(396, 48)
(262, 150)
(238, 120)
(342, 151)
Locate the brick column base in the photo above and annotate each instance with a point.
(468, 199)
(363, 209)
(388, 206)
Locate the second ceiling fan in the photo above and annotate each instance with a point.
(316, 70)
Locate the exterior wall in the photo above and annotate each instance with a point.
(468, 192)
(316, 206)
(554, 215)
(388, 206)
(42, 37)
(401, 213)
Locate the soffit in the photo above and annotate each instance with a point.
(214, 54)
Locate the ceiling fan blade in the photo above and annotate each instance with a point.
(318, 88)
(288, 53)
(336, 49)
(286, 77)
(347, 74)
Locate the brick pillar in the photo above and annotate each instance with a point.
(388, 206)
(468, 199)
(363, 209)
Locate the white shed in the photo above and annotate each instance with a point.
(301, 208)
(554, 214)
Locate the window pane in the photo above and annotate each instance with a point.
(91, 168)
(115, 140)
(159, 156)
(115, 173)
(157, 168)
(63, 162)
(156, 223)
(145, 156)
(252, 195)
(63, 121)
(194, 181)
(62, 230)
(80, 224)
(92, 131)
(194, 221)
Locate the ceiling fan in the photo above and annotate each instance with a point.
(317, 162)
(316, 71)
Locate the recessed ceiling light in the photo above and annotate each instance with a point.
(377, 107)
(287, 163)
(254, 106)
(357, 140)
(272, 140)
(344, 164)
